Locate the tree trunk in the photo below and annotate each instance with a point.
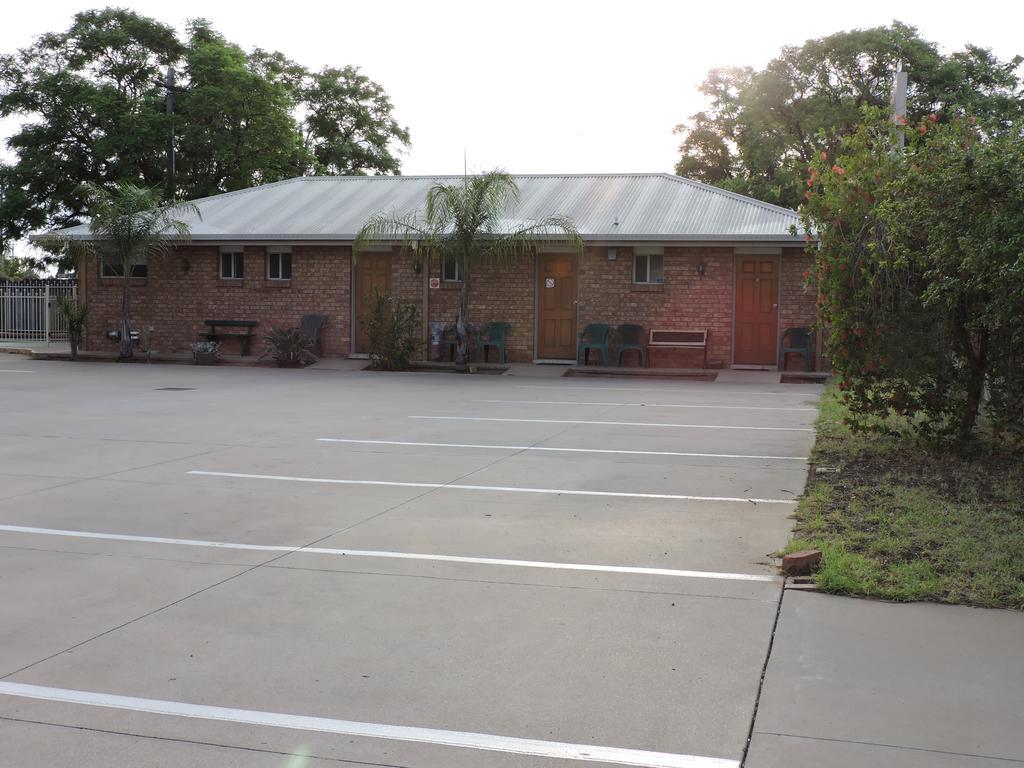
(125, 352)
(977, 354)
(462, 333)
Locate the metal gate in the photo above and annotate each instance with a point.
(28, 309)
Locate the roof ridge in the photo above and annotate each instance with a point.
(730, 194)
(650, 174)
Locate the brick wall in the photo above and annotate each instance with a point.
(685, 300)
(175, 302)
(796, 301)
(498, 294)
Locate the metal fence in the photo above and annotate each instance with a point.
(28, 309)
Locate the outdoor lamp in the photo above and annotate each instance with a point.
(701, 268)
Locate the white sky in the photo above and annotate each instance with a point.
(558, 86)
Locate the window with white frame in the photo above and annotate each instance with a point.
(279, 265)
(451, 272)
(110, 267)
(648, 266)
(232, 265)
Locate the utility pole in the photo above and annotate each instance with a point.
(169, 107)
(899, 103)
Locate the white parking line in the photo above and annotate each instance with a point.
(626, 569)
(651, 405)
(460, 739)
(567, 450)
(614, 423)
(498, 488)
(13, 370)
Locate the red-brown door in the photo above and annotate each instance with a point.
(373, 270)
(757, 310)
(556, 306)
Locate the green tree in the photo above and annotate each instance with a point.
(16, 268)
(235, 127)
(468, 221)
(349, 127)
(92, 100)
(920, 272)
(130, 226)
(761, 128)
(94, 107)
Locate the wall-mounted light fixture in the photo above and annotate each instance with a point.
(701, 269)
(417, 266)
(612, 254)
(184, 264)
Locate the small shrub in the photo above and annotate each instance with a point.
(289, 347)
(75, 315)
(393, 327)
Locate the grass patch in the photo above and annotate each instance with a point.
(898, 523)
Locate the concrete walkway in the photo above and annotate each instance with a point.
(854, 683)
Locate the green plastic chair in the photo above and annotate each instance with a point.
(629, 337)
(799, 340)
(493, 335)
(594, 336)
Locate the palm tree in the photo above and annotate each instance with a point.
(471, 222)
(130, 226)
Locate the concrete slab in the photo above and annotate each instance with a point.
(83, 458)
(771, 751)
(732, 537)
(643, 671)
(12, 485)
(629, 660)
(253, 514)
(53, 600)
(929, 683)
(230, 744)
(59, 745)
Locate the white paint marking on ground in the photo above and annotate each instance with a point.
(567, 450)
(625, 569)
(498, 488)
(13, 370)
(707, 389)
(459, 739)
(614, 423)
(651, 405)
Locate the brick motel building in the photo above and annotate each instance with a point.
(662, 252)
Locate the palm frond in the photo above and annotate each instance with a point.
(552, 231)
(409, 230)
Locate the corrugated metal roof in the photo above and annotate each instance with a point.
(653, 206)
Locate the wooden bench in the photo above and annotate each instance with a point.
(245, 335)
(665, 338)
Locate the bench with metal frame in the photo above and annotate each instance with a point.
(675, 338)
(246, 337)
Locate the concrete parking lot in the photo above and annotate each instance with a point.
(259, 567)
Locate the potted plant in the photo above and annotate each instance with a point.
(205, 352)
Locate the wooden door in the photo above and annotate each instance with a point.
(556, 306)
(373, 270)
(757, 310)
